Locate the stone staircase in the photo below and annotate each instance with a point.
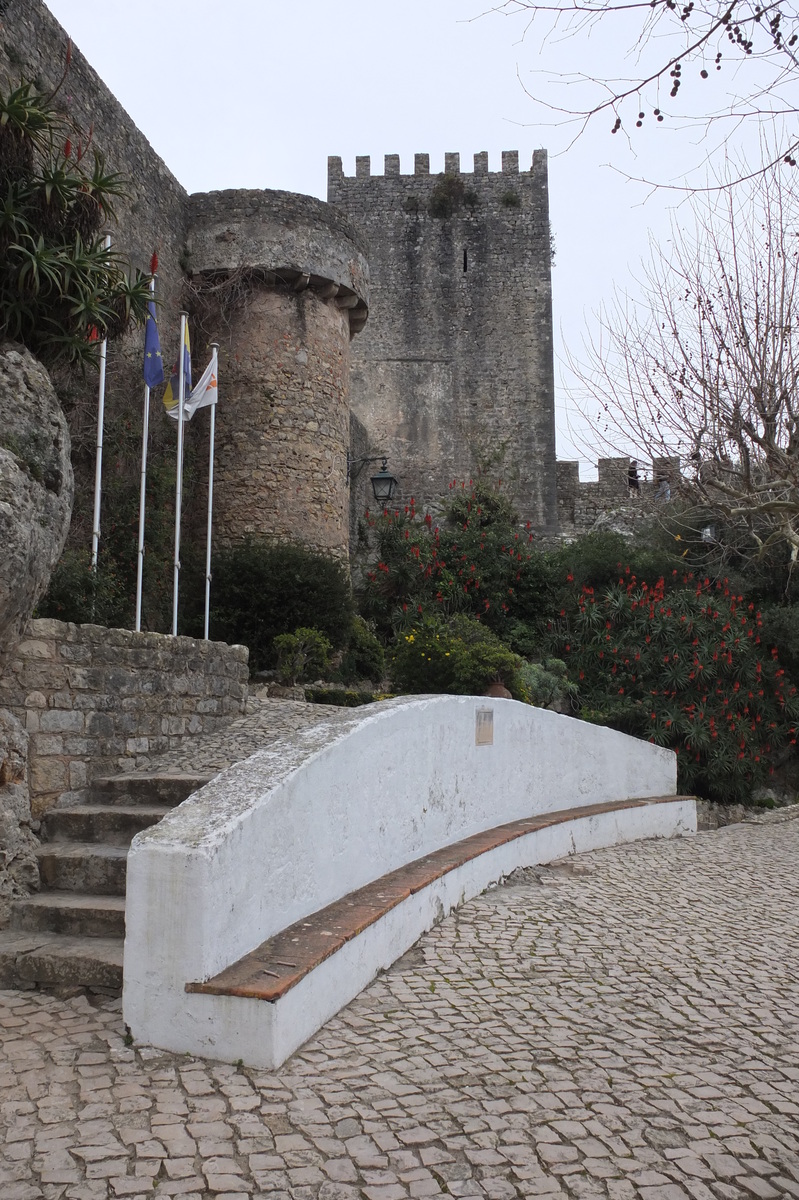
(71, 933)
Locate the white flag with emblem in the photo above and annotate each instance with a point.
(203, 395)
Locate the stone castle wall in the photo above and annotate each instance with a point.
(453, 371)
(583, 506)
(292, 246)
(452, 374)
(281, 455)
(96, 701)
(152, 217)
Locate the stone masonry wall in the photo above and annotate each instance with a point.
(96, 701)
(294, 269)
(152, 216)
(453, 371)
(281, 449)
(583, 506)
(289, 239)
(295, 243)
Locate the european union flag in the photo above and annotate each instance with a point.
(153, 370)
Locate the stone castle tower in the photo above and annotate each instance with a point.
(281, 456)
(453, 372)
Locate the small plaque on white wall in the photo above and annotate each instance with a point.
(484, 727)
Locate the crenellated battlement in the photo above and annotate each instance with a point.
(421, 167)
(624, 493)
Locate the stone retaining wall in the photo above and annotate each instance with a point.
(95, 701)
(317, 817)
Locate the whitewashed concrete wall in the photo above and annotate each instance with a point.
(298, 826)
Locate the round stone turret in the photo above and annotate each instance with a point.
(294, 290)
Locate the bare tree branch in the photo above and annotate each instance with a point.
(669, 43)
(706, 365)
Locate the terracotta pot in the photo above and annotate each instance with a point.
(498, 690)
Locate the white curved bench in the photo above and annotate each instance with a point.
(319, 861)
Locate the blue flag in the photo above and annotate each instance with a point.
(153, 370)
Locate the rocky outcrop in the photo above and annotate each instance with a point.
(36, 488)
(19, 872)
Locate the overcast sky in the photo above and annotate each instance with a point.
(257, 93)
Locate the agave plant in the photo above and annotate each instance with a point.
(14, 223)
(52, 195)
(128, 303)
(26, 124)
(61, 290)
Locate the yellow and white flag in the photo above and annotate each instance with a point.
(203, 395)
(172, 390)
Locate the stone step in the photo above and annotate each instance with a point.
(114, 824)
(72, 933)
(83, 867)
(129, 790)
(27, 959)
(70, 913)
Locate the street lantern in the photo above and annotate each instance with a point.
(384, 484)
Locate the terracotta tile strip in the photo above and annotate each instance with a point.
(269, 971)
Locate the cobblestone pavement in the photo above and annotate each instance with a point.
(265, 722)
(625, 1025)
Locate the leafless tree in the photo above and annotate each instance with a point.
(672, 43)
(706, 364)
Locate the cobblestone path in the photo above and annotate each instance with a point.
(623, 1026)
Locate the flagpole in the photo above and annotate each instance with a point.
(179, 480)
(215, 352)
(145, 435)
(98, 467)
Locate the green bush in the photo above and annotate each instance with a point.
(481, 506)
(364, 658)
(687, 670)
(261, 589)
(526, 640)
(340, 697)
(303, 654)
(780, 633)
(85, 597)
(595, 559)
(547, 683)
(460, 657)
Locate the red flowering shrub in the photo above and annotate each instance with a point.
(684, 669)
(477, 560)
